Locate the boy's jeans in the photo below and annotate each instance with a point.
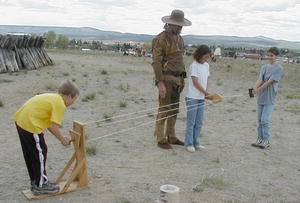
(264, 115)
(195, 117)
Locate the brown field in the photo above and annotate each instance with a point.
(128, 167)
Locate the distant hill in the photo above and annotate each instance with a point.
(88, 33)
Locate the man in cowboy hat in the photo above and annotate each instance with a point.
(169, 70)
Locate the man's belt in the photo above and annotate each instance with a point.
(181, 74)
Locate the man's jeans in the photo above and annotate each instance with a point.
(195, 117)
(264, 115)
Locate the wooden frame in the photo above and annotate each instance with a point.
(79, 176)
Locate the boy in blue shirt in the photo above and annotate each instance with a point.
(266, 89)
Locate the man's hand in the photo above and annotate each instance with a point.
(161, 89)
(65, 141)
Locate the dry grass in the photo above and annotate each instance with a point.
(89, 97)
(5, 81)
(91, 150)
(214, 182)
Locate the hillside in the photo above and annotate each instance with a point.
(88, 33)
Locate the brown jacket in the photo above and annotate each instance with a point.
(167, 52)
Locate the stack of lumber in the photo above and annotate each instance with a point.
(22, 52)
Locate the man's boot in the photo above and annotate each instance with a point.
(171, 131)
(162, 141)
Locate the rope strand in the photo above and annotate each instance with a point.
(131, 113)
(121, 121)
(141, 124)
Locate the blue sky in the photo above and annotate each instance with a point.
(277, 19)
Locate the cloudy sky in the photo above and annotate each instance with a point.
(277, 19)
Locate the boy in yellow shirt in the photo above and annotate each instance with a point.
(44, 111)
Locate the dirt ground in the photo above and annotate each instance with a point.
(128, 166)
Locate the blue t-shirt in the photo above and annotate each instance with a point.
(269, 72)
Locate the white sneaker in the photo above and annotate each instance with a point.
(190, 148)
(198, 147)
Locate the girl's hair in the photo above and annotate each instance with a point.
(201, 51)
(274, 50)
(68, 88)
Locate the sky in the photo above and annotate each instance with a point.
(277, 19)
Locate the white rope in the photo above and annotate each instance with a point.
(240, 95)
(121, 121)
(131, 113)
(141, 124)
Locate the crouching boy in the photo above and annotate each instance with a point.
(44, 111)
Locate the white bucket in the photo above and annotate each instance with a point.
(169, 194)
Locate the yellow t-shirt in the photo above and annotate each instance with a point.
(39, 112)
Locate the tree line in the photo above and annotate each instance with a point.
(52, 40)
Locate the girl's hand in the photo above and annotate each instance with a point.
(209, 96)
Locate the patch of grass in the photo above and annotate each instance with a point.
(124, 88)
(103, 72)
(51, 86)
(125, 201)
(216, 160)
(91, 150)
(230, 110)
(89, 97)
(85, 75)
(73, 79)
(219, 83)
(143, 100)
(5, 81)
(292, 96)
(293, 109)
(150, 115)
(66, 74)
(123, 104)
(214, 182)
(199, 188)
(107, 117)
(1, 103)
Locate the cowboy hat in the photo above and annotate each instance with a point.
(176, 18)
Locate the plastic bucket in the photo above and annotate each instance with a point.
(169, 193)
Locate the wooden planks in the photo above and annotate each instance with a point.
(22, 52)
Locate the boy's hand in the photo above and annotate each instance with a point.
(65, 141)
(255, 91)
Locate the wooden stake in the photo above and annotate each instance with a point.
(79, 176)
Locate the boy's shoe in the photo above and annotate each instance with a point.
(47, 188)
(32, 184)
(198, 147)
(264, 144)
(257, 143)
(190, 149)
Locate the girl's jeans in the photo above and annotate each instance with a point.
(195, 117)
(264, 115)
